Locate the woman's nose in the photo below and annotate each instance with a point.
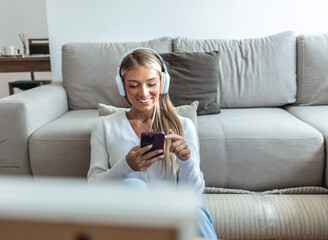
(143, 91)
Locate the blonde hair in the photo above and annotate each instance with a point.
(164, 116)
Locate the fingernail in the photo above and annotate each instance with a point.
(160, 150)
(150, 146)
(162, 156)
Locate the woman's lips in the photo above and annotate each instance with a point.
(144, 100)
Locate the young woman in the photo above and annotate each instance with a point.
(115, 139)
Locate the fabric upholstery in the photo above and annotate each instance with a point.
(259, 149)
(194, 77)
(252, 72)
(20, 115)
(89, 71)
(62, 147)
(312, 70)
(261, 216)
(239, 150)
(317, 117)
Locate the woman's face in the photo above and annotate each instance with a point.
(142, 85)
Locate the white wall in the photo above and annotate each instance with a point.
(130, 20)
(21, 16)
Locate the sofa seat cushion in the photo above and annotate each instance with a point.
(316, 116)
(62, 147)
(259, 149)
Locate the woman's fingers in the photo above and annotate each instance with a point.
(181, 149)
(141, 151)
(151, 154)
(178, 145)
(147, 163)
(172, 136)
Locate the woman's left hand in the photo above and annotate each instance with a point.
(179, 146)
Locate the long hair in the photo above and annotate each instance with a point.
(164, 116)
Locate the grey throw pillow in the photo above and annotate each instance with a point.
(194, 77)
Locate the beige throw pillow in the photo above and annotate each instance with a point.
(188, 111)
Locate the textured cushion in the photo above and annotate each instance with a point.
(261, 216)
(89, 71)
(316, 116)
(252, 72)
(312, 69)
(62, 147)
(194, 76)
(259, 149)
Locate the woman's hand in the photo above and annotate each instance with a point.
(179, 146)
(139, 162)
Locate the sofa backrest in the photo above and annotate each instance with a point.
(252, 72)
(89, 71)
(312, 69)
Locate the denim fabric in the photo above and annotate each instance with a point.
(204, 219)
(205, 222)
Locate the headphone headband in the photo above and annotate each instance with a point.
(165, 82)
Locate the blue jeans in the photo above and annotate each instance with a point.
(204, 219)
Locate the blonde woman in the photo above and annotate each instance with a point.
(115, 139)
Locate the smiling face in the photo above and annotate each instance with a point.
(142, 85)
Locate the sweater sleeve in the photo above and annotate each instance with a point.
(100, 169)
(190, 172)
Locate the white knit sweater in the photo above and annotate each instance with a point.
(113, 137)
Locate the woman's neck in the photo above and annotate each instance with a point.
(140, 115)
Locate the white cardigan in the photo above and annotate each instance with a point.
(112, 137)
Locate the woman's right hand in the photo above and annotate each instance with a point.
(139, 162)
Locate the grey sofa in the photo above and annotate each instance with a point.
(271, 133)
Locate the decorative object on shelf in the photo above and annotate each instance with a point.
(24, 38)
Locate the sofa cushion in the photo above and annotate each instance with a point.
(316, 116)
(252, 72)
(194, 77)
(259, 149)
(62, 147)
(89, 71)
(262, 216)
(312, 70)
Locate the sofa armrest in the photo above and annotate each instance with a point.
(20, 115)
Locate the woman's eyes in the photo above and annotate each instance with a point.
(149, 85)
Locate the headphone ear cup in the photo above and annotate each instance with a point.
(120, 85)
(162, 82)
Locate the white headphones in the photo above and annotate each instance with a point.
(165, 77)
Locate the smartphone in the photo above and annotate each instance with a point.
(155, 138)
